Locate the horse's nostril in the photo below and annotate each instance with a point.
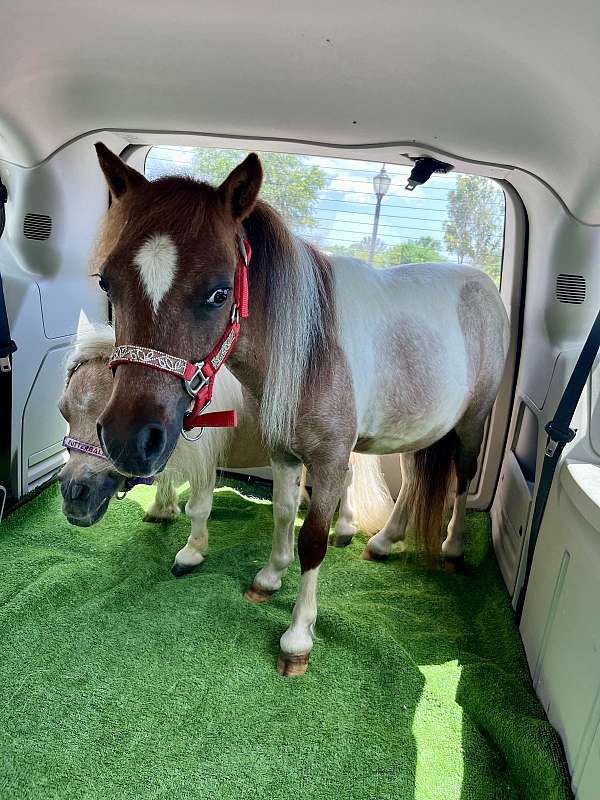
(151, 440)
(78, 491)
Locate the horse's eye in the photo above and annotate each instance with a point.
(218, 297)
(103, 284)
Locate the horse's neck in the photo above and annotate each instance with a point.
(248, 361)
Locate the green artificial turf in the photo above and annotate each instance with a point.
(120, 681)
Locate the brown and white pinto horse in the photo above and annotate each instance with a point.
(339, 357)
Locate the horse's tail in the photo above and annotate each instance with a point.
(368, 494)
(432, 479)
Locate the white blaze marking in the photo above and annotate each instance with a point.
(156, 262)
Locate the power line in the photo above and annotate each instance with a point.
(368, 226)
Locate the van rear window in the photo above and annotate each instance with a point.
(362, 208)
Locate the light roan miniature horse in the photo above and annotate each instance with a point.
(338, 355)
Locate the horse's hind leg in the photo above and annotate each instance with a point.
(470, 436)
(286, 483)
(379, 546)
(165, 506)
(345, 527)
(198, 509)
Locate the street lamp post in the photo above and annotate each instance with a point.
(381, 184)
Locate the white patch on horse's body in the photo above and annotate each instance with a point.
(85, 400)
(156, 262)
(401, 333)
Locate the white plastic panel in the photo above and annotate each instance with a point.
(590, 778)
(560, 623)
(510, 514)
(43, 427)
(47, 290)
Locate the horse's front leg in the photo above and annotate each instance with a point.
(286, 494)
(296, 643)
(198, 509)
(165, 506)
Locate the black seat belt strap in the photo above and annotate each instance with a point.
(559, 433)
(7, 346)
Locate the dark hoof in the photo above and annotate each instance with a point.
(179, 570)
(454, 564)
(339, 541)
(369, 555)
(257, 595)
(292, 666)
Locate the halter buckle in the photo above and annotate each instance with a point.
(198, 380)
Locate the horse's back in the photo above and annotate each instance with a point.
(420, 341)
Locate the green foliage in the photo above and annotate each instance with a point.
(361, 250)
(290, 184)
(423, 250)
(494, 270)
(474, 230)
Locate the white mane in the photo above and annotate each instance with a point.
(93, 341)
(295, 288)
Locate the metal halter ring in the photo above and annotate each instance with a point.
(186, 434)
(199, 376)
(189, 438)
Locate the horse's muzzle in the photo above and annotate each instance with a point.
(86, 498)
(141, 448)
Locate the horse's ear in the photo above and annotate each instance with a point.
(240, 189)
(120, 177)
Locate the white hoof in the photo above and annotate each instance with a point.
(379, 545)
(452, 548)
(158, 513)
(268, 579)
(344, 529)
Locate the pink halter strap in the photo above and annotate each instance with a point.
(71, 443)
(83, 447)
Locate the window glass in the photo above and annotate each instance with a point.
(362, 208)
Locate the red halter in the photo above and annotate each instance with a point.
(198, 377)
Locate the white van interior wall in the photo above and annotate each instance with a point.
(553, 333)
(51, 222)
(559, 624)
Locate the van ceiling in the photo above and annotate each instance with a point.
(506, 83)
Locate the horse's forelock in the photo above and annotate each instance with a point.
(92, 342)
(176, 205)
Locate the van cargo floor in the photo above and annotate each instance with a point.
(119, 681)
